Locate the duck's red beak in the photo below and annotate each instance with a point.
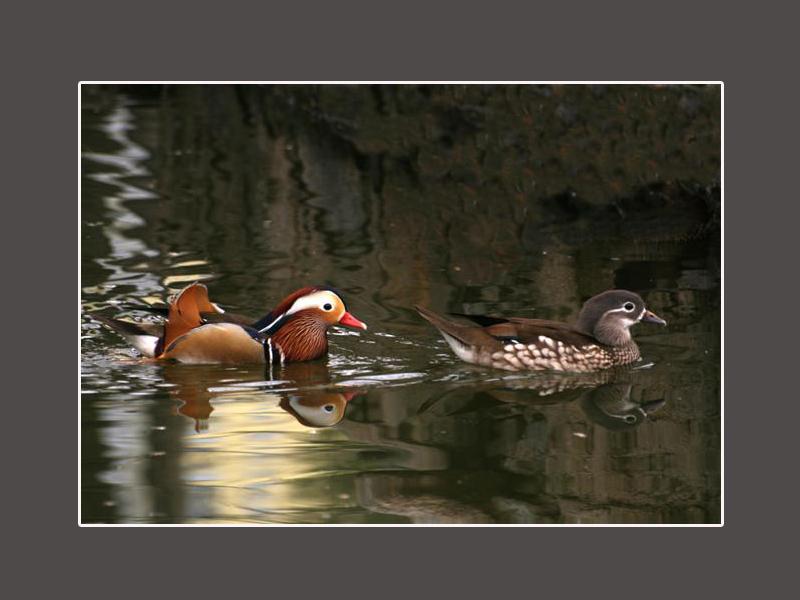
(349, 320)
(350, 395)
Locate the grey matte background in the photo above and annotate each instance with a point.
(47, 49)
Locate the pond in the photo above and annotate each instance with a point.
(499, 200)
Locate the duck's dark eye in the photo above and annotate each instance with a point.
(328, 408)
(327, 306)
(629, 306)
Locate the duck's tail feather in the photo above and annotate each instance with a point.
(465, 334)
(142, 336)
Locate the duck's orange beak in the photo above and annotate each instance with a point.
(349, 320)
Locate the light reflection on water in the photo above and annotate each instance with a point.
(391, 427)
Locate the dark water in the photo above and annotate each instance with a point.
(524, 201)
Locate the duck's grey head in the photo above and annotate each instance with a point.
(609, 316)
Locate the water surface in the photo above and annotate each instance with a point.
(256, 198)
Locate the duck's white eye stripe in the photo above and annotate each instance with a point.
(314, 300)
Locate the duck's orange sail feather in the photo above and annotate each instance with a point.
(184, 312)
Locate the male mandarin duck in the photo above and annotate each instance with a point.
(599, 340)
(317, 408)
(198, 331)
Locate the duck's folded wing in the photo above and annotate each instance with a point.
(538, 332)
(530, 331)
(487, 321)
(227, 318)
(482, 320)
(216, 343)
(491, 331)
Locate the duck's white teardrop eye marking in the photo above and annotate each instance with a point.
(321, 300)
(629, 306)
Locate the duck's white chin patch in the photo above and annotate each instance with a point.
(464, 352)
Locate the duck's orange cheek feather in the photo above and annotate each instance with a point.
(219, 343)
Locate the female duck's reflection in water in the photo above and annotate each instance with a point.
(607, 398)
(305, 391)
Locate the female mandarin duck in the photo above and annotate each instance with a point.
(599, 340)
(198, 331)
